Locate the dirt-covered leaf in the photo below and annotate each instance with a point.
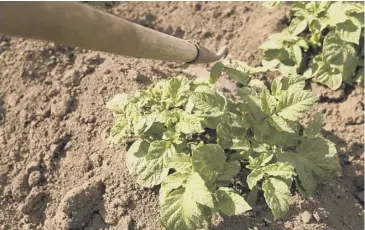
(273, 43)
(240, 71)
(231, 203)
(118, 103)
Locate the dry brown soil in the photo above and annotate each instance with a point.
(57, 170)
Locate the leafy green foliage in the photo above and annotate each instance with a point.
(273, 4)
(324, 41)
(193, 140)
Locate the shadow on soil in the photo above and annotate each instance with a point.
(327, 202)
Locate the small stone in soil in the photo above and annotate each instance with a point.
(34, 178)
(23, 115)
(68, 145)
(32, 200)
(317, 216)
(13, 100)
(306, 217)
(71, 77)
(62, 106)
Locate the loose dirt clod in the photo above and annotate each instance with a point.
(34, 178)
(320, 214)
(78, 205)
(125, 223)
(62, 106)
(306, 217)
(34, 201)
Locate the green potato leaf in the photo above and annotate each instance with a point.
(316, 160)
(181, 162)
(279, 169)
(292, 104)
(179, 211)
(208, 160)
(195, 188)
(215, 72)
(314, 126)
(171, 183)
(231, 203)
(148, 172)
(273, 4)
(277, 196)
(229, 171)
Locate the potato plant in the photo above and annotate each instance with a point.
(192, 140)
(324, 42)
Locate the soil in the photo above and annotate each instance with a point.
(57, 170)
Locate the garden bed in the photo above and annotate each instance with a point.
(57, 170)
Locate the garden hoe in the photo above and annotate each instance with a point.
(77, 24)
